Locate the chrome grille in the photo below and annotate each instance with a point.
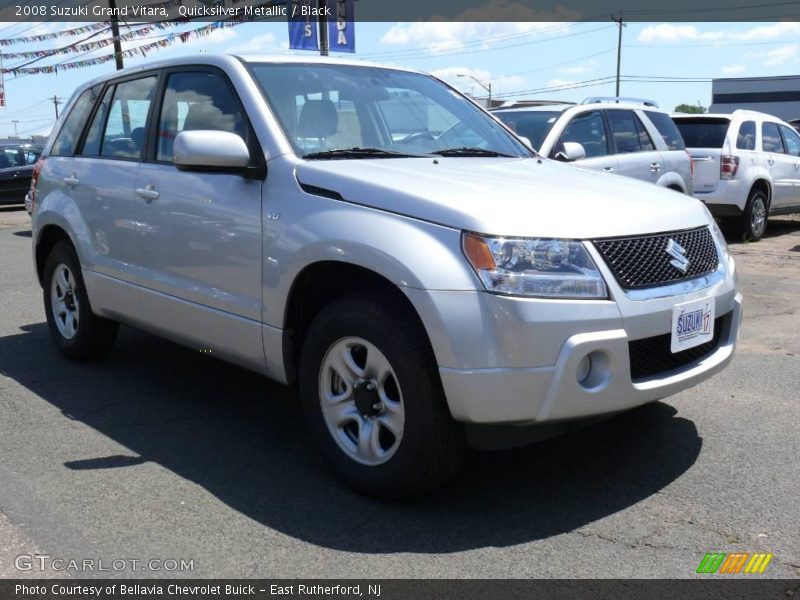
(641, 262)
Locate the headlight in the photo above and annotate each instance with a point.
(717, 234)
(547, 268)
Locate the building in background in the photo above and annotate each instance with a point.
(778, 96)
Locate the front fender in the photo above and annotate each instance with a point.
(408, 252)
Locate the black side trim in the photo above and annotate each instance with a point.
(322, 192)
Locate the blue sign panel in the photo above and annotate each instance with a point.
(303, 25)
(341, 26)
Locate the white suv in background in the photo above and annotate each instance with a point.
(626, 136)
(747, 166)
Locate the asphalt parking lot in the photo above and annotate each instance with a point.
(163, 453)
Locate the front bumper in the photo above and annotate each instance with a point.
(516, 360)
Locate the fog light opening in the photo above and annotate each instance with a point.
(584, 369)
(594, 371)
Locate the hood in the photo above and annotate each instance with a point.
(505, 196)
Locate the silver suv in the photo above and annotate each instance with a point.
(747, 166)
(629, 137)
(374, 236)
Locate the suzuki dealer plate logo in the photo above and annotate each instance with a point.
(678, 253)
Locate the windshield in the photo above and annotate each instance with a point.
(532, 124)
(328, 109)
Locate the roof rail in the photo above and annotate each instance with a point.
(618, 99)
(523, 103)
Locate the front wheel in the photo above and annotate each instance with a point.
(78, 333)
(753, 222)
(373, 399)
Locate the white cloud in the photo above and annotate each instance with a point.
(666, 32)
(587, 67)
(260, 44)
(437, 36)
(777, 56)
(733, 69)
(500, 83)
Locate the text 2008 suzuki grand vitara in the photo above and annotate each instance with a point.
(380, 239)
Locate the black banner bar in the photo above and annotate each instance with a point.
(706, 588)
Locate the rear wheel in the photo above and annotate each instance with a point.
(373, 399)
(753, 222)
(78, 333)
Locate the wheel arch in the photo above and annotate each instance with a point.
(320, 283)
(48, 236)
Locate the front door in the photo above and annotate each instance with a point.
(199, 232)
(589, 130)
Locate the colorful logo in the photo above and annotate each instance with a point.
(736, 562)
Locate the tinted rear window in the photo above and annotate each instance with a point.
(703, 133)
(746, 140)
(668, 130)
(533, 124)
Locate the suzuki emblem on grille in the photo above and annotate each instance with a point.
(678, 253)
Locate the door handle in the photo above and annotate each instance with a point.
(655, 166)
(148, 193)
(71, 181)
(608, 169)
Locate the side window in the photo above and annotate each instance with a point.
(791, 139)
(9, 157)
(32, 155)
(589, 131)
(746, 139)
(124, 132)
(626, 132)
(645, 142)
(771, 138)
(67, 138)
(196, 100)
(94, 138)
(667, 128)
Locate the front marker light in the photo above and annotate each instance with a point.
(545, 268)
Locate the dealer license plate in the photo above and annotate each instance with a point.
(692, 324)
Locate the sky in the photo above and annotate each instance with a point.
(554, 61)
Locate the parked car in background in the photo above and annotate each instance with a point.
(420, 287)
(746, 166)
(796, 124)
(16, 168)
(633, 138)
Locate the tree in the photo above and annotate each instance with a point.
(692, 109)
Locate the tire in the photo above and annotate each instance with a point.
(753, 222)
(391, 390)
(76, 330)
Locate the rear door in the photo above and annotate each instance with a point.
(636, 153)
(704, 138)
(676, 158)
(791, 141)
(589, 130)
(780, 164)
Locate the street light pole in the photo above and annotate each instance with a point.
(487, 86)
(15, 121)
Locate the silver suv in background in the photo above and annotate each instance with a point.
(747, 166)
(380, 240)
(633, 138)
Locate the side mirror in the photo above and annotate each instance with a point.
(572, 151)
(212, 149)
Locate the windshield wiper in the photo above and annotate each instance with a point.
(470, 151)
(358, 153)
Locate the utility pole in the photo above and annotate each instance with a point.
(56, 101)
(618, 20)
(112, 4)
(324, 46)
(15, 121)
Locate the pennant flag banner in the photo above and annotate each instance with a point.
(302, 25)
(341, 26)
(51, 36)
